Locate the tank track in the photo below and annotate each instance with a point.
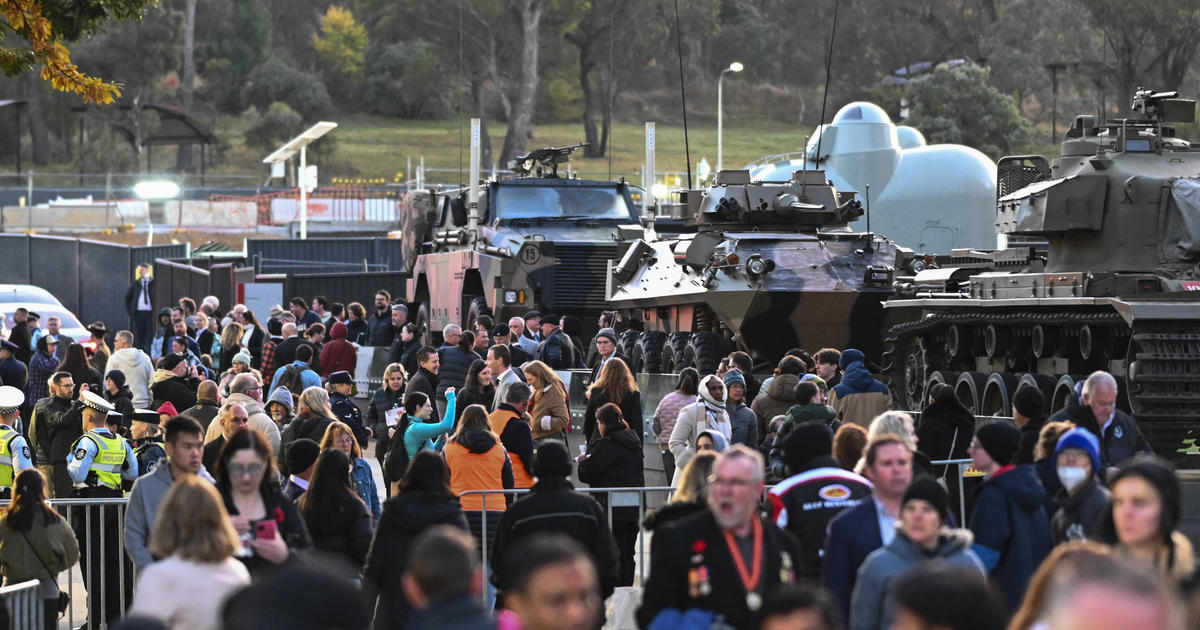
(1163, 358)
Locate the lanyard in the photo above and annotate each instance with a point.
(749, 578)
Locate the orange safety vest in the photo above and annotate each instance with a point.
(476, 471)
(499, 420)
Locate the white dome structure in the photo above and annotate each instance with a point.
(932, 198)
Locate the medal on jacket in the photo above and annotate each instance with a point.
(750, 578)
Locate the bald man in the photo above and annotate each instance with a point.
(206, 405)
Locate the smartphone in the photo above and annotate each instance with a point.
(264, 530)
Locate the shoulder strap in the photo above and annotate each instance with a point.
(38, 556)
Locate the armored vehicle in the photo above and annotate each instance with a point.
(1116, 290)
(533, 241)
(770, 267)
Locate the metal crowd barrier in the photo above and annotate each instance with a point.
(24, 605)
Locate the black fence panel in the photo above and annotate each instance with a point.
(15, 268)
(317, 255)
(149, 253)
(54, 266)
(104, 277)
(173, 281)
(345, 287)
(220, 284)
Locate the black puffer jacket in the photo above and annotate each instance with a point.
(453, 371)
(347, 536)
(670, 513)
(303, 426)
(554, 507)
(404, 517)
(122, 400)
(614, 461)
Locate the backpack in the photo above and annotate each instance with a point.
(292, 379)
(395, 463)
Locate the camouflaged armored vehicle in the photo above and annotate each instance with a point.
(770, 267)
(1117, 289)
(536, 241)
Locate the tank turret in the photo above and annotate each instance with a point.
(1118, 288)
(806, 202)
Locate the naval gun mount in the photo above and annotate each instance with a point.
(772, 266)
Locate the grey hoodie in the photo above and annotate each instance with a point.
(871, 606)
(144, 499)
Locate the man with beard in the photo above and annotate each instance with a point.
(725, 559)
(380, 332)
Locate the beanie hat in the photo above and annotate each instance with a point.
(551, 460)
(850, 356)
(815, 380)
(301, 454)
(806, 442)
(1000, 440)
(241, 357)
(170, 361)
(117, 376)
(608, 334)
(1029, 402)
(283, 396)
(929, 490)
(1081, 439)
(168, 409)
(734, 377)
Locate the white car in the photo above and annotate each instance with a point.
(40, 301)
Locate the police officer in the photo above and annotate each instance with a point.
(14, 452)
(147, 440)
(340, 387)
(98, 463)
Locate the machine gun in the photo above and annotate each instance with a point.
(543, 162)
(1163, 106)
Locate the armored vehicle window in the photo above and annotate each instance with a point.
(538, 202)
(1137, 145)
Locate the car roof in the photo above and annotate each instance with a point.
(26, 293)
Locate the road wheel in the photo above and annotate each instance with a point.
(421, 319)
(672, 353)
(704, 351)
(476, 306)
(648, 353)
(628, 341)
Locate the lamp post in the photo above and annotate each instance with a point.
(299, 144)
(733, 67)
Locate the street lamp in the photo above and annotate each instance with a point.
(299, 144)
(733, 67)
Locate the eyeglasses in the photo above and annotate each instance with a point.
(253, 470)
(739, 484)
(254, 389)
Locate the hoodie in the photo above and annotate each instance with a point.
(337, 354)
(945, 431)
(138, 371)
(177, 390)
(479, 464)
(404, 517)
(872, 607)
(1012, 531)
(859, 397)
(774, 400)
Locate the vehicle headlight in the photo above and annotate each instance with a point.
(510, 297)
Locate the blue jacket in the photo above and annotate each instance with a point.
(364, 483)
(852, 536)
(1012, 532)
(419, 435)
(859, 397)
(308, 377)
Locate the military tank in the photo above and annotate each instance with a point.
(771, 266)
(534, 240)
(1117, 288)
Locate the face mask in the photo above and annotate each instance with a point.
(1072, 476)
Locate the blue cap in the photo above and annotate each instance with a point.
(850, 356)
(1082, 439)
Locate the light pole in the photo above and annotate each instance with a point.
(299, 144)
(733, 67)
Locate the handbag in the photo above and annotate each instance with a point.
(64, 598)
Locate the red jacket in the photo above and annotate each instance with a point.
(338, 354)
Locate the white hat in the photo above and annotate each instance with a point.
(94, 401)
(11, 399)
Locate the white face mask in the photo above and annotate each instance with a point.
(1072, 476)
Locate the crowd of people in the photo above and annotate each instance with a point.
(799, 501)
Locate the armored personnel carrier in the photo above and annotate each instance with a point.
(536, 240)
(1116, 290)
(770, 267)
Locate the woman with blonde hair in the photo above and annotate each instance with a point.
(615, 385)
(549, 408)
(690, 497)
(900, 424)
(196, 540)
(313, 417)
(231, 344)
(339, 435)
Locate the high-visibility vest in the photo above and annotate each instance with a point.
(7, 435)
(109, 461)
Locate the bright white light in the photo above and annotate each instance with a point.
(736, 66)
(659, 191)
(156, 189)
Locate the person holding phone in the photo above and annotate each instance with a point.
(268, 525)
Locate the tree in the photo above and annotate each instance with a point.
(187, 78)
(957, 105)
(520, 123)
(344, 44)
(45, 25)
(233, 38)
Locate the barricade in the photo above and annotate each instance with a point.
(24, 605)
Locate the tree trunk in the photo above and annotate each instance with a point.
(39, 136)
(479, 98)
(594, 148)
(520, 124)
(187, 79)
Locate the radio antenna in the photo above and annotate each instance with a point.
(828, 67)
(687, 150)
